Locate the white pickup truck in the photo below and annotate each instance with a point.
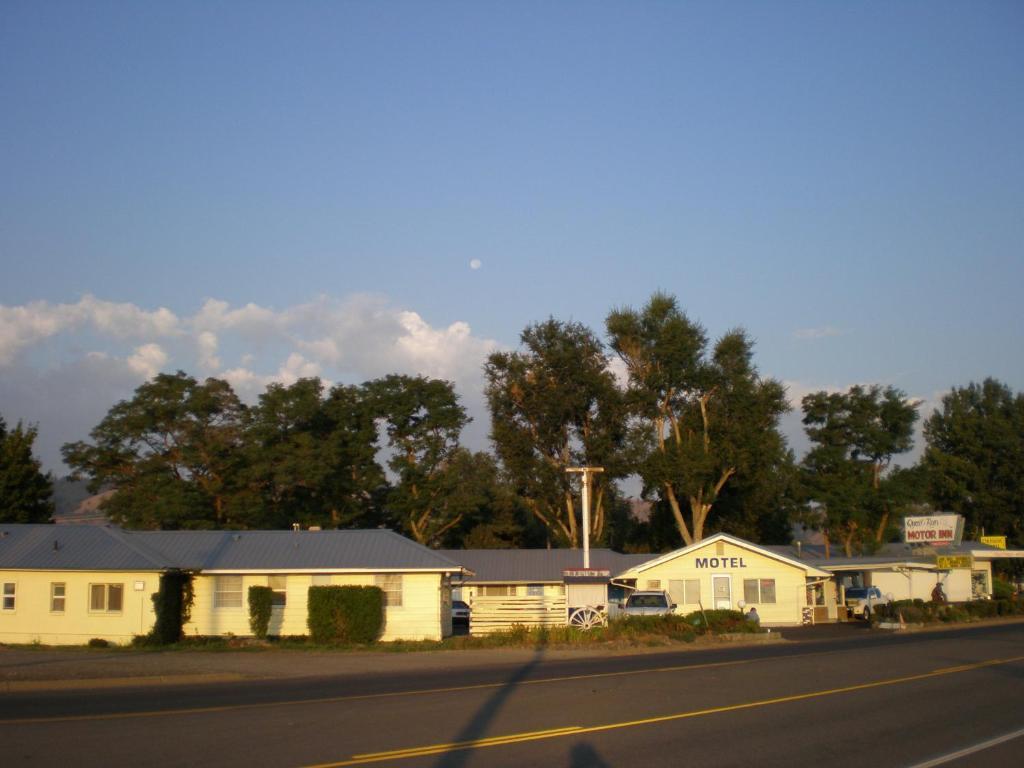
(860, 600)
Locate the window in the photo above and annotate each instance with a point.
(10, 591)
(498, 590)
(391, 583)
(759, 591)
(653, 584)
(106, 598)
(279, 585)
(692, 592)
(535, 590)
(227, 592)
(57, 595)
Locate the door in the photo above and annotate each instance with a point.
(721, 587)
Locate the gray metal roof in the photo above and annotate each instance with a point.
(507, 566)
(376, 549)
(74, 548)
(31, 547)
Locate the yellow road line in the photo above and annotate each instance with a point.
(393, 694)
(494, 741)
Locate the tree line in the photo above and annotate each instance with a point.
(690, 416)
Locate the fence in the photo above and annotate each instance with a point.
(497, 614)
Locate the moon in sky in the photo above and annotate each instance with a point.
(475, 264)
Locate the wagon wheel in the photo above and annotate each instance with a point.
(585, 619)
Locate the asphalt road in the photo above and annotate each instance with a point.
(883, 700)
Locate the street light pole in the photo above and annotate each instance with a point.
(586, 472)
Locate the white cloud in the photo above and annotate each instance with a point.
(475, 264)
(354, 338)
(811, 334)
(206, 342)
(24, 326)
(148, 360)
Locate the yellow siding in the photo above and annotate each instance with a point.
(420, 617)
(738, 564)
(32, 621)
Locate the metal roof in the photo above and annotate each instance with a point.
(75, 548)
(535, 566)
(32, 547)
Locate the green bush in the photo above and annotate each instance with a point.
(345, 614)
(671, 626)
(173, 607)
(1001, 590)
(261, 603)
(720, 621)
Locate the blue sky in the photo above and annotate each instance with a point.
(261, 191)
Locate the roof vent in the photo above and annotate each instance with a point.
(56, 545)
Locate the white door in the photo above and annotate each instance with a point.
(721, 586)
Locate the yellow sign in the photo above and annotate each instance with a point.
(949, 562)
(999, 542)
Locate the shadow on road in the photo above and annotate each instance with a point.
(477, 726)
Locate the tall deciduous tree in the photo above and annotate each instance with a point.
(854, 437)
(974, 459)
(702, 417)
(25, 492)
(423, 420)
(171, 453)
(555, 405)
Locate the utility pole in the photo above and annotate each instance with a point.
(586, 472)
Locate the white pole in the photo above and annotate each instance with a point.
(586, 472)
(586, 519)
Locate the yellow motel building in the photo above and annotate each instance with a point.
(65, 585)
(726, 572)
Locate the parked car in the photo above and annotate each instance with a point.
(650, 603)
(460, 612)
(860, 600)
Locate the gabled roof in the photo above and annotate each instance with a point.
(375, 549)
(534, 566)
(87, 547)
(743, 544)
(75, 548)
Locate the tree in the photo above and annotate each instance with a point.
(172, 453)
(555, 405)
(310, 459)
(25, 492)
(699, 419)
(423, 420)
(974, 459)
(854, 437)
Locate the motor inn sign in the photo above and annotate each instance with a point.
(933, 529)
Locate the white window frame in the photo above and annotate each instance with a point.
(10, 596)
(278, 583)
(225, 597)
(62, 597)
(759, 591)
(108, 588)
(387, 582)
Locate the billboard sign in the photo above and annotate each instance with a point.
(949, 562)
(933, 529)
(999, 542)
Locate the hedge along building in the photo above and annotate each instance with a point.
(68, 584)
(725, 572)
(416, 581)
